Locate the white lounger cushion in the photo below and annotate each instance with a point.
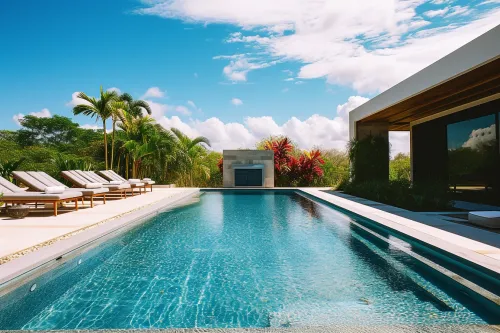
(133, 180)
(488, 219)
(146, 179)
(115, 182)
(93, 185)
(34, 196)
(54, 189)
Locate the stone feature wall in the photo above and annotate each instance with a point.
(231, 157)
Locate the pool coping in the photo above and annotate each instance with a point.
(24, 265)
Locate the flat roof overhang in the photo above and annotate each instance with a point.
(471, 86)
(469, 74)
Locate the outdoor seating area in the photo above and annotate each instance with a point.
(41, 188)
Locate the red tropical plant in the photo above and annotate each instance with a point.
(220, 164)
(290, 170)
(282, 149)
(310, 165)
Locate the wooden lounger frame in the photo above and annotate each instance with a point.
(36, 201)
(92, 196)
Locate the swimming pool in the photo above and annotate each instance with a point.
(246, 259)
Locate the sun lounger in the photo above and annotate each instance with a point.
(488, 219)
(39, 180)
(85, 179)
(91, 175)
(15, 195)
(113, 176)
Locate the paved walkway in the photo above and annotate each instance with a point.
(37, 228)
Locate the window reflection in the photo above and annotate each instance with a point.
(472, 151)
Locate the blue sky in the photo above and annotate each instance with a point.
(232, 70)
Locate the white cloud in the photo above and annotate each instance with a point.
(44, 113)
(400, 142)
(366, 45)
(289, 79)
(437, 12)
(116, 90)
(488, 2)
(76, 101)
(315, 131)
(459, 11)
(441, 2)
(480, 136)
(193, 106)
(91, 127)
(159, 110)
(236, 101)
(183, 110)
(153, 92)
(239, 67)
(352, 103)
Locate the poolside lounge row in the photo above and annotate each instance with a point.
(42, 188)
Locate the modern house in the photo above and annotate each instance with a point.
(451, 109)
(248, 168)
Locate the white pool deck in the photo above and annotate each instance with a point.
(37, 228)
(34, 233)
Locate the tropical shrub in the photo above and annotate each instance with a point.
(369, 158)
(400, 168)
(292, 170)
(7, 167)
(401, 193)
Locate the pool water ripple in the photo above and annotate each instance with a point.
(249, 260)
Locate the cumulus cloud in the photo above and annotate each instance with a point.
(366, 45)
(183, 110)
(239, 67)
(44, 113)
(481, 136)
(116, 90)
(153, 92)
(436, 12)
(459, 11)
(314, 132)
(91, 127)
(236, 101)
(76, 101)
(159, 110)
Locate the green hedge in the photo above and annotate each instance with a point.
(401, 193)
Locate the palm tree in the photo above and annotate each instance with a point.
(100, 109)
(137, 133)
(191, 152)
(117, 108)
(136, 107)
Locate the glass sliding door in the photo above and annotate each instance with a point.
(473, 152)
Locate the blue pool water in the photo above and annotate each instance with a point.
(243, 260)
